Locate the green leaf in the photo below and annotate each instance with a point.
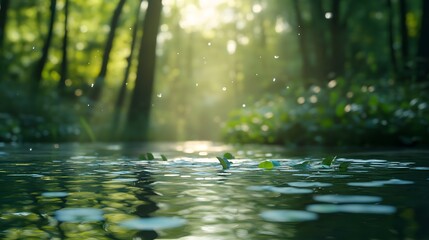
(228, 156)
(150, 156)
(163, 157)
(328, 160)
(303, 165)
(267, 164)
(224, 162)
(344, 166)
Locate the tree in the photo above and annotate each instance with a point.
(141, 100)
(45, 50)
(64, 62)
(121, 96)
(99, 81)
(391, 34)
(4, 6)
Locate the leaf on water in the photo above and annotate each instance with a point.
(303, 165)
(147, 156)
(224, 162)
(268, 164)
(344, 166)
(150, 156)
(328, 160)
(228, 156)
(163, 157)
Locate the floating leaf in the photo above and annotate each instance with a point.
(344, 166)
(328, 160)
(163, 157)
(228, 156)
(303, 165)
(150, 156)
(268, 164)
(224, 162)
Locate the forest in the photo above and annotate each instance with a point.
(288, 72)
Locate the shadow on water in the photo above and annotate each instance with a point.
(149, 206)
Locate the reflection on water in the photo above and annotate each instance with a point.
(103, 191)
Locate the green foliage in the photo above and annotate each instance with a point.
(329, 160)
(268, 164)
(228, 156)
(147, 156)
(340, 114)
(344, 166)
(224, 162)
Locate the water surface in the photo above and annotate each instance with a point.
(104, 191)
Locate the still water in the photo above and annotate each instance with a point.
(104, 191)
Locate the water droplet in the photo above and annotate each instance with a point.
(31, 149)
(276, 57)
(196, 84)
(92, 84)
(224, 89)
(88, 105)
(159, 95)
(274, 79)
(178, 53)
(287, 87)
(209, 44)
(244, 105)
(34, 47)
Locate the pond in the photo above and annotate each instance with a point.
(105, 191)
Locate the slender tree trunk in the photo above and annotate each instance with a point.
(64, 62)
(303, 43)
(45, 51)
(141, 100)
(393, 59)
(404, 31)
(99, 81)
(319, 40)
(121, 97)
(423, 51)
(4, 6)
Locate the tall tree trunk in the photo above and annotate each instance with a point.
(303, 43)
(319, 40)
(4, 6)
(45, 51)
(403, 9)
(393, 59)
(64, 62)
(423, 51)
(121, 97)
(141, 100)
(337, 40)
(99, 81)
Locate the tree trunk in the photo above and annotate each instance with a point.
(45, 51)
(423, 51)
(141, 100)
(99, 81)
(319, 40)
(404, 31)
(393, 59)
(121, 97)
(4, 6)
(64, 62)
